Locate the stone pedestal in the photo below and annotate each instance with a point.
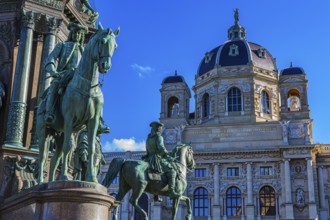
(59, 201)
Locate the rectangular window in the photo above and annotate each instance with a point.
(266, 171)
(200, 172)
(233, 171)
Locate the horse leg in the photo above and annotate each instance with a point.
(175, 204)
(136, 194)
(189, 211)
(123, 189)
(92, 129)
(43, 155)
(66, 150)
(55, 161)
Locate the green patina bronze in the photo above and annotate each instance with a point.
(154, 174)
(80, 157)
(80, 104)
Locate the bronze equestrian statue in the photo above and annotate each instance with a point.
(81, 103)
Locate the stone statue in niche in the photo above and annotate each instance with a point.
(175, 110)
(294, 104)
(285, 126)
(300, 197)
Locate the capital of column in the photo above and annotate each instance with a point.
(53, 24)
(29, 18)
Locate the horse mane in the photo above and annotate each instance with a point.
(177, 149)
(93, 38)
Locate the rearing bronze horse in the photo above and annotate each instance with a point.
(133, 174)
(81, 104)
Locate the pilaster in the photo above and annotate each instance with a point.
(311, 190)
(288, 190)
(216, 179)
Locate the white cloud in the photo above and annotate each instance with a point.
(142, 70)
(124, 145)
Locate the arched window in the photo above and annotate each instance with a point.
(143, 203)
(267, 201)
(173, 107)
(233, 202)
(201, 202)
(265, 103)
(206, 105)
(234, 100)
(293, 100)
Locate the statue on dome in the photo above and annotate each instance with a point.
(236, 16)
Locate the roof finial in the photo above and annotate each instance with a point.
(175, 73)
(291, 64)
(236, 16)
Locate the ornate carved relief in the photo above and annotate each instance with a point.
(298, 168)
(53, 24)
(50, 3)
(226, 84)
(273, 183)
(16, 122)
(210, 91)
(293, 80)
(259, 86)
(7, 33)
(19, 175)
(296, 131)
(170, 136)
(29, 18)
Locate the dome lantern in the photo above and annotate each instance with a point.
(236, 32)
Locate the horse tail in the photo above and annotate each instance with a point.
(113, 170)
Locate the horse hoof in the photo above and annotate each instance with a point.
(64, 178)
(92, 179)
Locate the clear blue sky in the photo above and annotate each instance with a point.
(158, 37)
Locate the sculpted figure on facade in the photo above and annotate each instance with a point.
(300, 197)
(285, 128)
(175, 110)
(89, 10)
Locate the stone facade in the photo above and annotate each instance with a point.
(29, 30)
(252, 139)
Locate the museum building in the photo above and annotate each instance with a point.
(252, 137)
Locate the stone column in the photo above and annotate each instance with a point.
(216, 198)
(17, 109)
(249, 205)
(288, 189)
(323, 203)
(49, 44)
(311, 191)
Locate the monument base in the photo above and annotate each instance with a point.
(59, 201)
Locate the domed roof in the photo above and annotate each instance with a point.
(237, 51)
(292, 71)
(173, 79)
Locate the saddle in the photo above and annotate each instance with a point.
(157, 176)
